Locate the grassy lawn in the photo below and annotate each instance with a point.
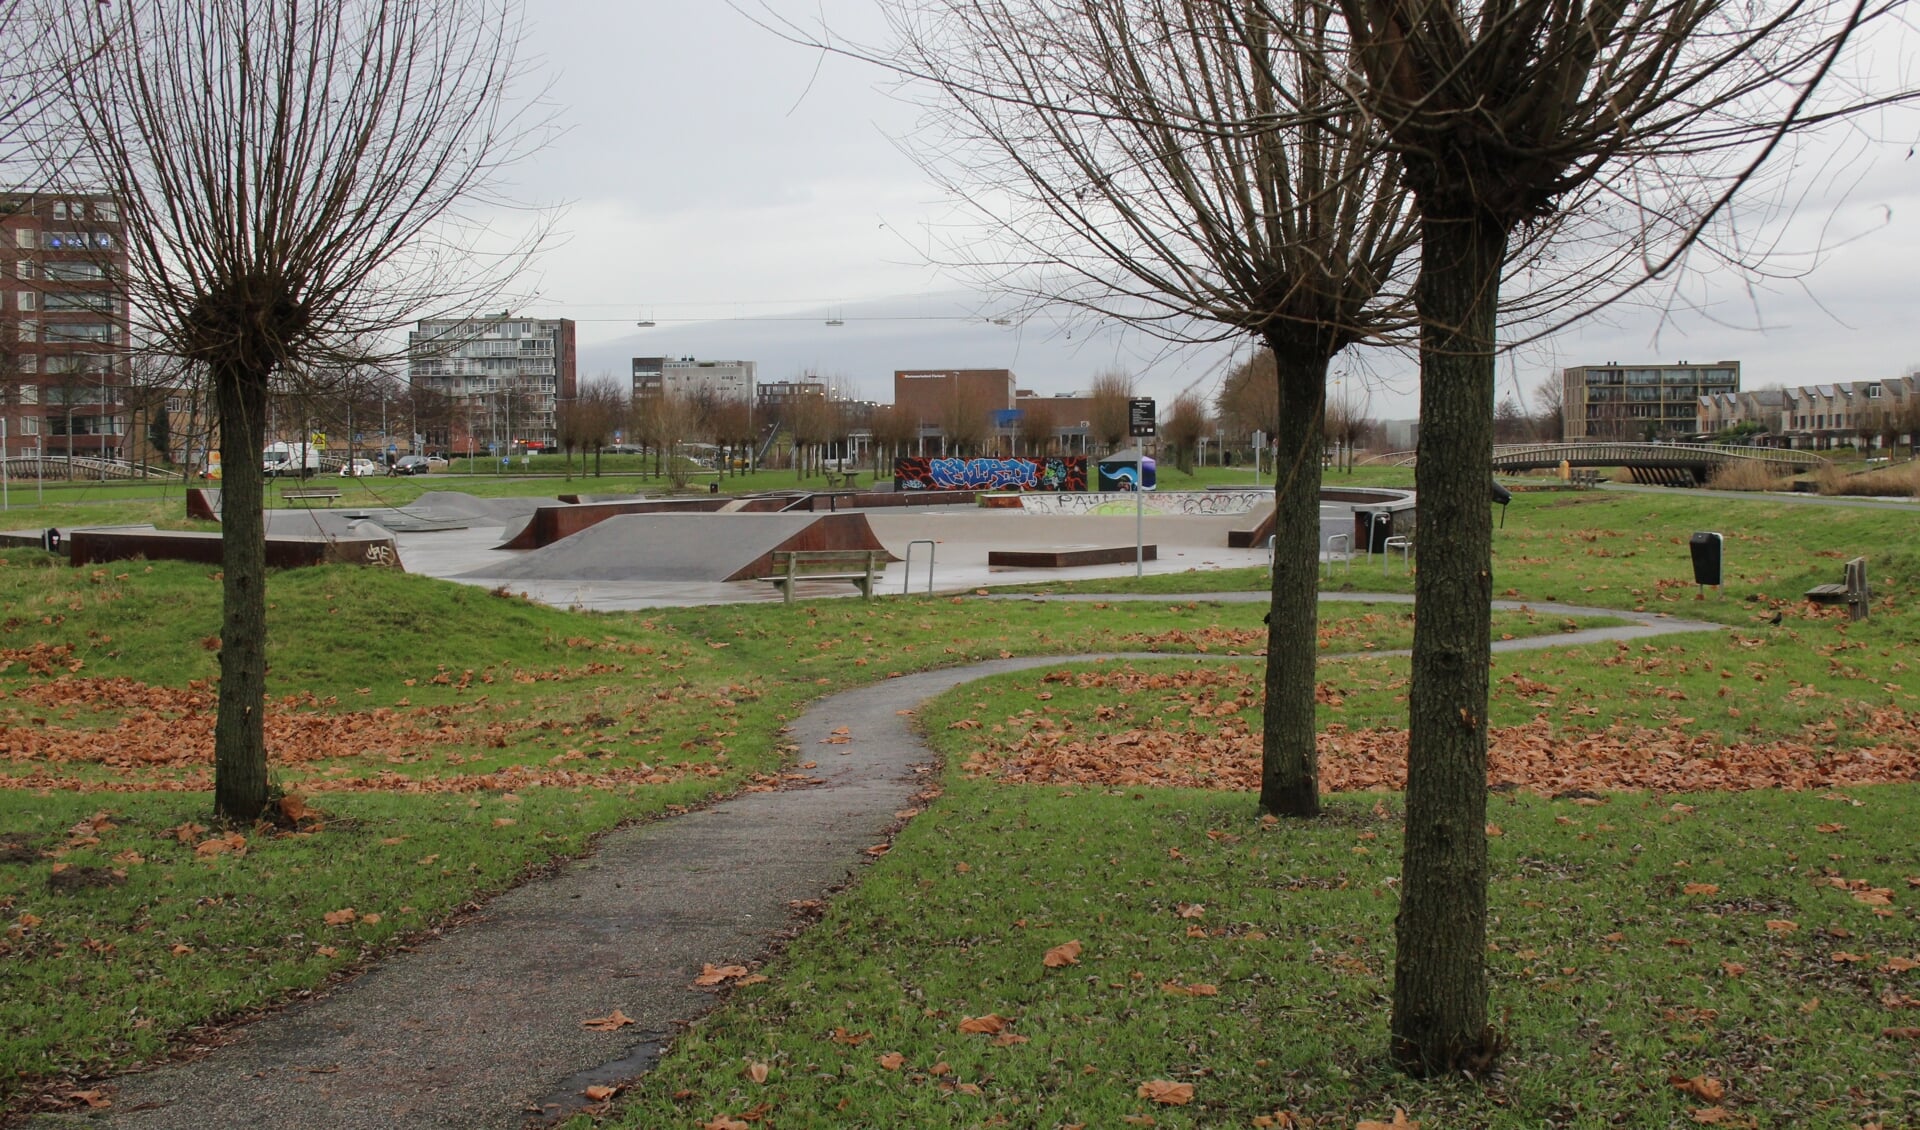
(1633, 942)
(451, 743)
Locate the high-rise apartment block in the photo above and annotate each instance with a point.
(63, 324)
(504, 378)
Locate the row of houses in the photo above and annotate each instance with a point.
(1866, 415)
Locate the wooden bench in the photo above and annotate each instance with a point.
(859, 566)
(329, 495)
(1854, 591)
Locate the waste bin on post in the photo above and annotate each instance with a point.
(1705, 548)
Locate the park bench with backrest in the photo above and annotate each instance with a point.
(1853, 591)
(859, 567)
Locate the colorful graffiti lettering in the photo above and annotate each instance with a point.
(1057, 473)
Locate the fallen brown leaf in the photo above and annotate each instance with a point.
(612, 1021)
(1166, 1092)
(1066, 953)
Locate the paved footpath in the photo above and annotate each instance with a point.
(481, 1026)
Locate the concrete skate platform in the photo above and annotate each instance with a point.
(1069, 556)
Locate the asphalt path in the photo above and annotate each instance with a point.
(481, 1026)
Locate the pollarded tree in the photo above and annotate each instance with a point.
(1186, 422)
(1107, 408)
(966, 420)
(1249, 398)
(1507, 118)
(290, 176)
(1186, 167)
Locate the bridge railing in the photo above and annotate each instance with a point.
(1616, 453)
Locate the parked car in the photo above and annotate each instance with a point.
(354, 468)
(623, 449)
(410, 465)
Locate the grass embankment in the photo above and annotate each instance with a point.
(450, 741)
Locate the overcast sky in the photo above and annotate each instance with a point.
(740, 192)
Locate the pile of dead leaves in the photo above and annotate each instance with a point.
(1224, 753)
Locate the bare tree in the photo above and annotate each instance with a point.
(596, 413)
(673, 419)
(730, 422)
(1249, 398)
(966, 419)
(1510, 422)
(1149, 160)
(1107, 408)
(290, 176)
(1504, 117)
(810, 423)
(1347, 425)
(893, 434)
(1549, 413)
(1186, 422)
(1035, 430)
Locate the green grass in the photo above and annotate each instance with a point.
(478, 685)
(1608, 977)
(698, 696)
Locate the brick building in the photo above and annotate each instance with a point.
(63, 325)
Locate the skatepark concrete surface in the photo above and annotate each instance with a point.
(619, 565)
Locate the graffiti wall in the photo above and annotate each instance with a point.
(1188, 502)
(1055, 473)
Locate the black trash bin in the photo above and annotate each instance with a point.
(1705, 548)
(1371, 529)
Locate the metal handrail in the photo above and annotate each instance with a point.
(1346, 552)
(906, 581)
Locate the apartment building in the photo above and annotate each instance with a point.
(63, 325)
(1640, 402)
(504, 378)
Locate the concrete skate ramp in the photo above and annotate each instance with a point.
(480, 511)
(551, 522)
(682, 547)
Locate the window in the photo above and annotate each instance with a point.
(29, 425)
(29, 394)
(79, 331)
(26, 300)
(72, 271)
(97, 301)
(26, 237)
(106, 211)
(25, 268)
(59, 209)
(63, 241)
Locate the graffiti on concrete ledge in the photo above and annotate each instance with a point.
(1056, 473)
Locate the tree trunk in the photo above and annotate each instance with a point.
(239, 735)
(1439, 1020)
(1289, 759)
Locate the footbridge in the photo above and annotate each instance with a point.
(1665, 464)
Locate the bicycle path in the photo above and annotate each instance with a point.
(482, 1026)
